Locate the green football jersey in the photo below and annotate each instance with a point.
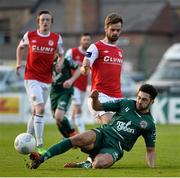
(128, 124)
(65, 74)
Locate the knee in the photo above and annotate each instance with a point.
(39, 109)
(77, 109)
(99, 163)
(58, 116)
(78, 141)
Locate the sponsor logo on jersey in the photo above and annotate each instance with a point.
(112, 60)
(143, 124)
(106, 51)
(42, 49)
(125, 127)
(51, 43)
(88, 54)
(127, 109)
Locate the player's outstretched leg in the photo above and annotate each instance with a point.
(36, 159)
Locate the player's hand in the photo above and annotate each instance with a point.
(18, 68)
(67, 84)
(94, 94)
(84, 70)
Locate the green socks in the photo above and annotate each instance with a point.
(65, 127)
(58, 148)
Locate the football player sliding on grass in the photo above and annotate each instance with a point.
(106, 144)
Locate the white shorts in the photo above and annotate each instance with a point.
(78, 96)
(37, 92)
(102, 98)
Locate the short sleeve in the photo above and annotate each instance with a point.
(92, 53)
(60, 45)
(72, 64)
(150, 136)
(25, 40)
(113, 105)
(68, 53)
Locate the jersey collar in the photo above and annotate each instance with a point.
(42, 35)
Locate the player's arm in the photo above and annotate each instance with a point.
(60, 61)
(19, 56)
(96, 105)
(20, 52)
(85, 68)
(68, 83)
(150, 138)
(150, 156)
(91, 55)
(107, 106)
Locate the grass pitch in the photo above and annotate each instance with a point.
(132, 164)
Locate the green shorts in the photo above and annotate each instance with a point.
(60, 100)
(106, 144)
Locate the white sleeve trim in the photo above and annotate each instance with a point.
(94, 54)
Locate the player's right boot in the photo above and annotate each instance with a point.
(36, 160)
(85, 164)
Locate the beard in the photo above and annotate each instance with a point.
(141, 108)
(112, 38)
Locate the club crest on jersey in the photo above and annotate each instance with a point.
(34, 41)
(143, 124)
(50, 43)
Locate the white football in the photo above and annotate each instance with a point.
(25, 143)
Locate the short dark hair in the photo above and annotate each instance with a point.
(45, 12)
(151, 90)
(113, 18)
(86, 34)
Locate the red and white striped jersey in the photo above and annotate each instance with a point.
(106, 65)
(41, 53)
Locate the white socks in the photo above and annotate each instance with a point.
(39, 129)
(30, 126)
(79, 123)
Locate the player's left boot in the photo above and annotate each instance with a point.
(84, 164)
(35, 160)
